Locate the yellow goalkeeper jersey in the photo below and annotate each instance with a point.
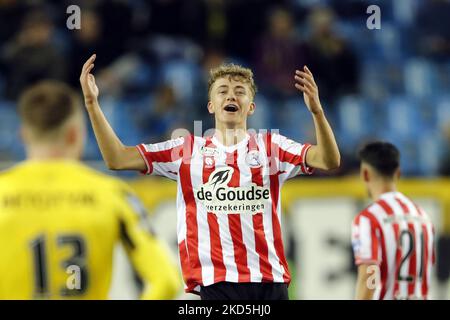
(59, 224)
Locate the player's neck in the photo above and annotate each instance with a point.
(382, 187)
(45, 153)
(230, 135)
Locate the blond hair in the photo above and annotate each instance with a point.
(236, 72)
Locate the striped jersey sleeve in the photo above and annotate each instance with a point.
(365, 239)
(163, 158)
(291, 156)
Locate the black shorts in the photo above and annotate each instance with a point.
(245, 291)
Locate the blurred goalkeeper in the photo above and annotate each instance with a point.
(60, 220)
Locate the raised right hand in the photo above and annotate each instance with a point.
(87, 81)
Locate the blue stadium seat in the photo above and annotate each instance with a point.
(373, 82)
(10, 144)
(429, 149)
(124, 122)
(408, 148)
(295, 121)
(405, 11)
(363, 42)
(388, 41)
(443, 112)
(262, 117)
(420, 77)
(412, 130)
(356, 118)
(183, 76)
(142, 79)
(118, 114)
(403, 117)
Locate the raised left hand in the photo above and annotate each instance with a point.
(304, 82)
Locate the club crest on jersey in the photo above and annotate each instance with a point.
(253, 159)
(209, 161)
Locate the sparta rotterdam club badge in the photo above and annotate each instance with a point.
(209, 161)
(253, 159)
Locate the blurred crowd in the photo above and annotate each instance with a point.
(154, 57)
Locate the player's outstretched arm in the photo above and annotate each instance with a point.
(325, 154)
(116, 155)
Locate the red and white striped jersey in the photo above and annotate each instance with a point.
(398, 236)
(228, 204)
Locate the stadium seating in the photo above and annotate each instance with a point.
(403, 96)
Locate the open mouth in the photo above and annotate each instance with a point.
(231, 108)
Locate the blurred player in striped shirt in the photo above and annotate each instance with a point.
(393, 238)
(228, 204)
